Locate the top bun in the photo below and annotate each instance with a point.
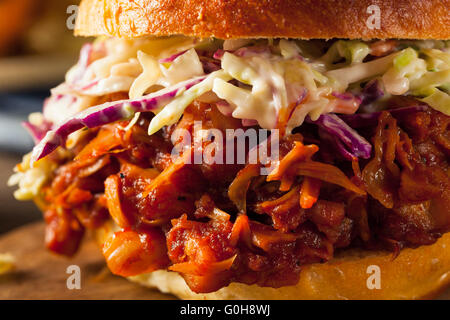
(302, 19)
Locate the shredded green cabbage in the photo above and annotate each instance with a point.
(439, 101)
(31, 180)
(172, 112)
(353, 51)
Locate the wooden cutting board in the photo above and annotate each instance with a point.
(42, 275)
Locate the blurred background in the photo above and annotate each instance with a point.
(37, 47)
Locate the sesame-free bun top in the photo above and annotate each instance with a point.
(303, 19)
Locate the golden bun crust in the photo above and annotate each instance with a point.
(304, 19)
(419, 273)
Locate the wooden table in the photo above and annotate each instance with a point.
(42, 275)
(13, 213)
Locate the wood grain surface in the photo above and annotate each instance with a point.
(13, 213)
(42, 275)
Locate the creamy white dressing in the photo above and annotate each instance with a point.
(268, 93)
(184, 67)
(276, 78)
(358, 72)
(62, 106)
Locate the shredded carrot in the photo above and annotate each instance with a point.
(241, 230)
(346, 106)
(78, 196)
(285, 115)
(284, 171)
(105, 141)
(328, 173)
(356, 168)
(61, 199)
(265, 237)
(286, 201)
(309, 192)
(164, 176)
(238, 188)
(193, 268)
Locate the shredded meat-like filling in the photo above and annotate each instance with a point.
(220, 223)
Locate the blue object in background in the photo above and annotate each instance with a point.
(14, 109)
(15, 142)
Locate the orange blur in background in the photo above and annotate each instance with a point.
(36, 27)
(37, 47)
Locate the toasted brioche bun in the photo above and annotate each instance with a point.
(303, 19)
(420, 273)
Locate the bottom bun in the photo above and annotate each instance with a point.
(420, 273)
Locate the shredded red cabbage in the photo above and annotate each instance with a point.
(225, 108)
(244, 52)
(252, 51)
(219, 54)
(107, 113)
(371, 92)
(83, 61)
(209, 64)
(346, 96)
(172, 57)
(37, 132)
(349, 139)
(339, 146)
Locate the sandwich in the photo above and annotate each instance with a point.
(253, 149)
